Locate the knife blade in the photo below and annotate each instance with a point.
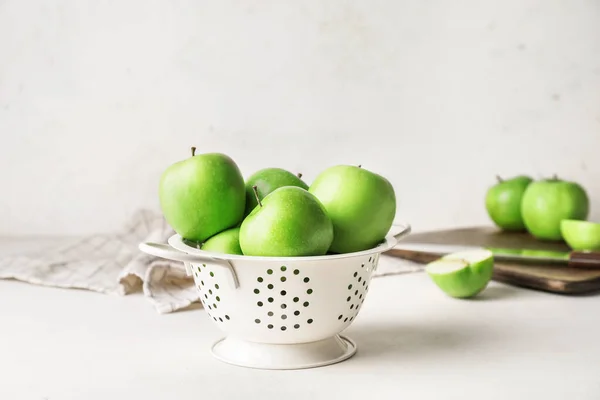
(429, 251)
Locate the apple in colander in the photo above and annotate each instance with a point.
(360, 203)
(227, 242)
(202, 195)
(266, 180)
(288, 222)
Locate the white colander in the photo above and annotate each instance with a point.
(280, 312)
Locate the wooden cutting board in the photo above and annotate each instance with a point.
(547, 277)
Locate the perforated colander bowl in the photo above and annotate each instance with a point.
(280, 312)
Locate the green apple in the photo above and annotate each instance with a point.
(581, 235)
(462, 274)
(266, 180)
(361, 204)
(227, 242)
(503, 202)
(547, 202)
(202, 195)
(289, 221)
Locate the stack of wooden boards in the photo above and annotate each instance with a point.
(556, 277)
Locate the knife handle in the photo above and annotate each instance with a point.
(585, 259)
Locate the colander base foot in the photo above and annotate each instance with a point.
(284, 356)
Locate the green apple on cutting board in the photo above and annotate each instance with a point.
(549, 201)
(227, 242)
(288, 222)
(462, 274)
(361, 204)
(503, 202)
(202, 195)
(267, 180)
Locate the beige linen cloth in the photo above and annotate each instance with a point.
(113, 264)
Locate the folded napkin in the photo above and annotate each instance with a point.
(113, 264)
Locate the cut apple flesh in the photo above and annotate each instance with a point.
(446, 266)
(581, 235)
(471, 257)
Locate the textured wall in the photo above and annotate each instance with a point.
(97, 97)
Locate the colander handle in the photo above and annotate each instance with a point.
(165, 251)
(400, 230)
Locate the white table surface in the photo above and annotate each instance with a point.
(413, 343)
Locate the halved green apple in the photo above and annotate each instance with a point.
(462, 274)
(581, 235)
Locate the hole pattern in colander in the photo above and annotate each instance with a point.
(207, 285)
(283, 299)
(357, 288)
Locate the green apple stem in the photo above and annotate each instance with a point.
(499, 178)
(299, 175)
(255, 189)
(193, 151)
(359, 165)
(555, 177)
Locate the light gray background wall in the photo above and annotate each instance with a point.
(98, 97)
